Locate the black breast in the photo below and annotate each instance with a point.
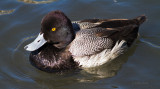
(51, 59)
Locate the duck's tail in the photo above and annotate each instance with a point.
(140, 19)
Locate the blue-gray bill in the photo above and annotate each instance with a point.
(37, 43)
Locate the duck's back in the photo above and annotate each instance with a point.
(90, 48)
(98, 45)
(106, 23)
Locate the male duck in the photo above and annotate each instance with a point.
(97, 42)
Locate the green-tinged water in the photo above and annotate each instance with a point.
(138, 68)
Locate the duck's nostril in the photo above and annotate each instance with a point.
(25, 47)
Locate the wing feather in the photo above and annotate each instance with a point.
(87, 43)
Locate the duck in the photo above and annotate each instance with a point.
(63, 44)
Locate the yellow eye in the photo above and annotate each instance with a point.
(53, 29)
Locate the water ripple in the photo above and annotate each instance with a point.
(4, 12)
(25, 39)
(37, 2)
(150, 44)
(115, 1)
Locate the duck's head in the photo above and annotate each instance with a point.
(56, 29)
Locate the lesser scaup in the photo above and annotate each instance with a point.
(98, 41)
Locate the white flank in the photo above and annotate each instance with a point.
(103, 57)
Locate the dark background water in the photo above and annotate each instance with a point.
(136, 69)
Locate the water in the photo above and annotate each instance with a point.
(136, 69)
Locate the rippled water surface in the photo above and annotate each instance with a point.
(20, 23)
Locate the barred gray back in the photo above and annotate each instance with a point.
(87, 43)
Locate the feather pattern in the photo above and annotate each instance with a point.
(87, 43)
(96, 46)
(103, 57)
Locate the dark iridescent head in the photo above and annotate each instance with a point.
(56, 29)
